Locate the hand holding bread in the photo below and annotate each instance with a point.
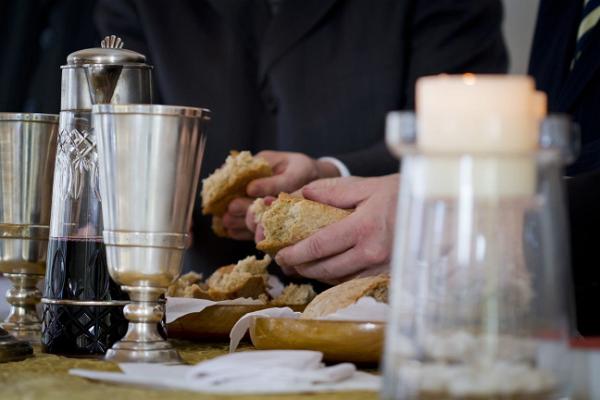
(340, 230)
(228, 192)
(357, 245)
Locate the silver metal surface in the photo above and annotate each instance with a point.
(27, 153)
(150, 159)
(89, 303)
(105, 75)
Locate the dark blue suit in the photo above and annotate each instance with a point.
(576, 92)
(318, 77)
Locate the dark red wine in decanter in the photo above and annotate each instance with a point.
(78, 278)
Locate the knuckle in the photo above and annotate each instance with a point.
(376, 253)
(315, 248)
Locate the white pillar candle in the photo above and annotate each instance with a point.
(494, 119)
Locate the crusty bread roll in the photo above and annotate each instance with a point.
(180, 288)
(247, 278)
(289, 219)
(258, 208)
(229, 182)
(346, 294)
(295, 295)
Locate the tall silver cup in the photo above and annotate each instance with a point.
(27, 153)
(149, 157)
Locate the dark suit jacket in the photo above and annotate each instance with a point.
(37, 36)
(317, 78)
(576, 92)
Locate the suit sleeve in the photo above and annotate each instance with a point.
(583, 195)
(444, 36)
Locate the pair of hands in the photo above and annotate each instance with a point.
(291, 171)
(358, 245)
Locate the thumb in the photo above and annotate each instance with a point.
(338, 192)
(270, 186)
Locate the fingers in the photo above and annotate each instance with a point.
(326, 242)
(250, 221)
(337, 268)
(290, 271)
(350, 191)
(233, 222)
(270, 186)
(239, 206)
(338, 192)
(240, 234)
(259, 234)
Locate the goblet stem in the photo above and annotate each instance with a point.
(23, 321)
(143, 342)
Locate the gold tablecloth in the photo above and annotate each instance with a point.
(45, 377)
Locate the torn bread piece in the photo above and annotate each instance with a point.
(180, 288)
(247, 278)
(346, 294)
(290, 219)
(258, 208)
(295, 295)
(229, 182)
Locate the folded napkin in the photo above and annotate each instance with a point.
(365, 309)
(252, 372)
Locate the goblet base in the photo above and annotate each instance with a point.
(142, 342)
(143, 352)
(23, 321)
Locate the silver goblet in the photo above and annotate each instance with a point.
(27, 153)
(149, 165)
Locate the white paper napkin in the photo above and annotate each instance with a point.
(365, 309)
(271, 371)
(243, 324)
(178, 307)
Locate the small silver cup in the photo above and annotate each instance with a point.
(149, 164)
(27, 153)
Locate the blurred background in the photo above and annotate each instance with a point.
(37, 36)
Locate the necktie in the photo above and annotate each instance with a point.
(589, 19)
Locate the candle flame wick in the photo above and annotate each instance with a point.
(469, 79)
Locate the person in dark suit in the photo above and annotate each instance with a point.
(312, 77)
(37, 36)
(565, 61)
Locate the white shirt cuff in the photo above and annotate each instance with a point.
(341, 167)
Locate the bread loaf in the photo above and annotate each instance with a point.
(289, 219)
(346, 294)
(247, 278)
(229, 182)
(295, 295)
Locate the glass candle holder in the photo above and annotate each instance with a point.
(480, 277)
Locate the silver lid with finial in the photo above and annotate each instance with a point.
(111, 51)
(106, 74)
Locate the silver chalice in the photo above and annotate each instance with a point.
(27, 153)
(149, 167)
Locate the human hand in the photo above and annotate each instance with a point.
(359, 244)
(291, 171)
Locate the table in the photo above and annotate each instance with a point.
(45, 377)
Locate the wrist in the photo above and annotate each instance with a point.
(326, 169)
